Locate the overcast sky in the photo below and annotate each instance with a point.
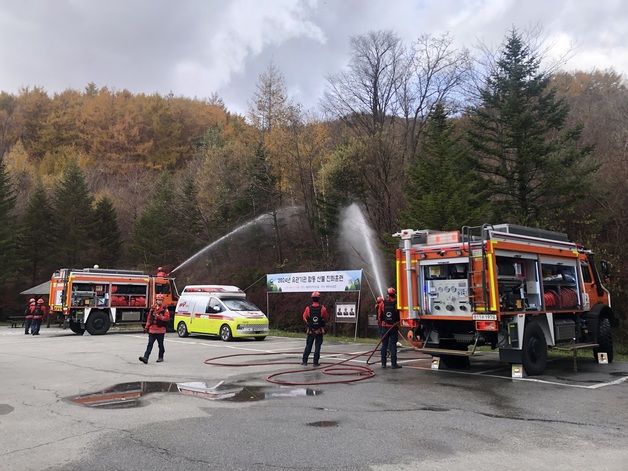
(196, 47)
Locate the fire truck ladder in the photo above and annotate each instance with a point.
(475, 237)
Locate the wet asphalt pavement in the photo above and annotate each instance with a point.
(52, 417)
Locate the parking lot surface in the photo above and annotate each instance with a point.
(412, 418)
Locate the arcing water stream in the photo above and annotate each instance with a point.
(226, 236)
(357, 236)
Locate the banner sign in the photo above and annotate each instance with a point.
(326, 281)
(346, 312)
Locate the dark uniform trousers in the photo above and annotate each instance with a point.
(389, 342)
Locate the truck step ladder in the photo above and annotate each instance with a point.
(475, 237)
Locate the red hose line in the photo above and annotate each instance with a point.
(340, 368)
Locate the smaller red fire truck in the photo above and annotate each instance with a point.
(94, 299)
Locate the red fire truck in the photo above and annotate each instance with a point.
(517, 289)
(94, 299)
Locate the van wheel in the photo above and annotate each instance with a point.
(98, 323)
(604, 340)
(182, 329)
(225, 333)
(534, 350)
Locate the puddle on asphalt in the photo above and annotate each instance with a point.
(127, 395)
(324, 423)
(6, 409)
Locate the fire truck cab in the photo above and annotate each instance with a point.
(94, 299)
(515, 288)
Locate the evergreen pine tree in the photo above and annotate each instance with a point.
(154, 239)
(442, 191)
(8, 258)
(108, 241)
(74, 229)
(192, 230)
(36, 246)
(523, 151)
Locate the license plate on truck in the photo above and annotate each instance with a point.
(484, 317)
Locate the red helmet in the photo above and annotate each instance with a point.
(31, 301)
(40, 301)
(391, 292)
(159, 297)
(316, 294)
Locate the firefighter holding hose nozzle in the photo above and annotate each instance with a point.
(314, 317)
(388, 318)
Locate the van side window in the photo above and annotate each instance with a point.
(213, 306)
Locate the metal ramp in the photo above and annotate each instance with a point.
(445, 351)
(574, 348)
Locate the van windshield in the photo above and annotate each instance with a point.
(236, 304)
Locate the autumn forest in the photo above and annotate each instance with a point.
(421, 135)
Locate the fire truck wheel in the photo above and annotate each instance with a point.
(259, 339)
(98, 323)
(604, 340)
(225, 333)
(76, 328)
(534, 350)
(182, 329)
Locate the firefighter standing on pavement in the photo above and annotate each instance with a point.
(38, 314)
(156, 324)
(28, 315)
(314, 317)
(388, 317)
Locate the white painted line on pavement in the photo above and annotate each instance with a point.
(532, 380)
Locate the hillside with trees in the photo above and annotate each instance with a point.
(421, 134)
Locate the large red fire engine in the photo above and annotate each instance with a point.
(94, 299)
(517, 289)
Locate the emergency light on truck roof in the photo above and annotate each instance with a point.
(211, 289)
(437, 238)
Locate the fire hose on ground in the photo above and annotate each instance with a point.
(340, 368)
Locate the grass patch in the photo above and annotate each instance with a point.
(330, 337)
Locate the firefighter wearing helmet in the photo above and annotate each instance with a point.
(388, 318)
(314, 317)
(28, 315)
(38, 315)
(156, 323)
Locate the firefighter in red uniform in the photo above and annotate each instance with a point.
(38, 314)
(28, 315)
(314, 317)
(388, 317)
(156, 324)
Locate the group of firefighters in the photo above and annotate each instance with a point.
(34, 315)
(315, 316)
